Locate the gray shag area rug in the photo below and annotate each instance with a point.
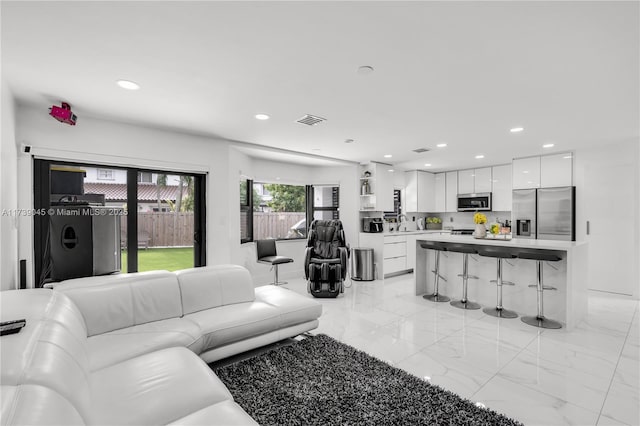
(320, 381)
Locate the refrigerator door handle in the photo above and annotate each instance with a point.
(588, 227)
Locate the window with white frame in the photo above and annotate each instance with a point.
(105, 174)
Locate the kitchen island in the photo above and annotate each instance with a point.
(569, 275)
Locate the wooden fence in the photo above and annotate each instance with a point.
(274, 225)
(170, 230)
(162, 229)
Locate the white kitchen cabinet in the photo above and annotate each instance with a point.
(501, 197)
(440, 193)
(482, 180)
(451, 192)
(427, 196)
(393, 265)
(384, 196)
(419, 191)
(526, 172)
(473, 181)
(466, 184)
(411, 191)
(379, 197)
(556, 170)
(395, 254)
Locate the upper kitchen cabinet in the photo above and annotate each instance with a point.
(547, 171)
(556, 170)
(526, 172)
(440, 193)
(451, 192)
(420, 191)
(474, 180)
(376, 187)
(483, 180)
(466, 184)
(501, 197)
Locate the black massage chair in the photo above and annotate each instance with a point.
(326, 258)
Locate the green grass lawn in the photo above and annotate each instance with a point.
(170, 259)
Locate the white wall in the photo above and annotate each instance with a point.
(8, 193)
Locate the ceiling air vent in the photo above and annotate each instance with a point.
(310, 120)
(421, 150)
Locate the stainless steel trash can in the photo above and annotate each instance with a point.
(362, 268)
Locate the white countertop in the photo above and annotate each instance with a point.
(417, 232)
(515, 242)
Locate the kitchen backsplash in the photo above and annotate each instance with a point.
(460, 220)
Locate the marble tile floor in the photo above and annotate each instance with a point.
(586, 376)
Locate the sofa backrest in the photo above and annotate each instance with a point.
(113, 302)
(45, 367)
(213, 286)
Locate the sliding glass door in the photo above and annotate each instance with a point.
(102, 220)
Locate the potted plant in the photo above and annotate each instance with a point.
(480, 220)
(434, 223)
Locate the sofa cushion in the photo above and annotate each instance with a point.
(292, 307)
(213, 286)
(119, 345)
(231, 323)
(154, 389)
(125, 300)
(36, 405)
(49, 352)
(226, 413)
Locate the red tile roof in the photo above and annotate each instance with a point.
(118, 191)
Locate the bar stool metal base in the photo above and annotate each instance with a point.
(276, 281)
(465, 305)
(436, 298)
(500, 313)
(541, 322)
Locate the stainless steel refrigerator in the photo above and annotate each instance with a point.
(545, 213)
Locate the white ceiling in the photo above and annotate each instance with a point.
(463, 73)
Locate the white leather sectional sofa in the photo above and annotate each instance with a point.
(129, 349)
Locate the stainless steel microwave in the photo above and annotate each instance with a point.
(474, 202)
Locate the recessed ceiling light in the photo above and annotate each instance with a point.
(348, 141)
(129, 85)
(479, 156)
(262, 116)
(428, 165)
(525, 171)
(388, 156)
(277, 177)
(441, 145)
(391, 170)
(547, 145)
(516, 129)
(365, 70)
